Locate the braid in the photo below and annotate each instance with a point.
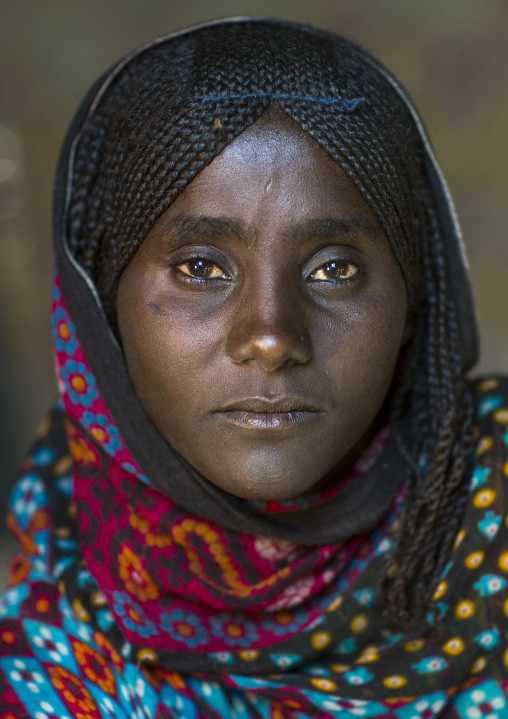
(176, 106)
(441, 407)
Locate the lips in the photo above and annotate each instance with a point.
(269, 414)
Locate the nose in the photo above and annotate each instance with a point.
(271, 332)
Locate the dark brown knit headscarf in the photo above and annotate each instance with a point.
(177, 105)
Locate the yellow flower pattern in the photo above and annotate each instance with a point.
(345, 661)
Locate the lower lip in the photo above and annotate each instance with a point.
(268, 420)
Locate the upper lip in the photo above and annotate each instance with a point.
(276, 405)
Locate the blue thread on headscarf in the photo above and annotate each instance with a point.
(348, 104)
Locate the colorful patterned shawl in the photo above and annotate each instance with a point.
(121, 603)
(139, 591)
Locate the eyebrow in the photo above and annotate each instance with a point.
(192, 227)
(330, 228)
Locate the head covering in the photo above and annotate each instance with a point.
(144, 591)
(162, 114)
(149, 450)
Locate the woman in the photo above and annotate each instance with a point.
(270, 490)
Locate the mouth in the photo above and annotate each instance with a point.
(263, 414)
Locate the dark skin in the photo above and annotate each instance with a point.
(263, 315)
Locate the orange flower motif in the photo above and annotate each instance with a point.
(43, 604)
(19, 568)
(107, 648)
(293, 704)
(249, 654)
(8, 637)
(335, 604)
(136, 579)
(24, 538)
(369, 654)
(147, 655)
(324, 684)
(395, 681)
(152, 537)
(441, 590)
(319, 640)
(73, 691)
(80, 610)
(484, 445)
(174, 679)
(465, 609)
(359, 623)
(501, 415)
(63, 465)
(81, 451)
(480, 664)
(454, 646)
(503, 562)
(95, 667)
(414, 645)
(484, 498)
(474, 560)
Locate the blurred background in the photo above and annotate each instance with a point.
(452, 56)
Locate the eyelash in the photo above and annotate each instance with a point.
(341, 263)
(200, 280)
(210, 263)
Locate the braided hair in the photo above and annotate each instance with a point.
(176, 106)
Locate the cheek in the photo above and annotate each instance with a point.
(362, 347)
(173, 362)
(161, 357)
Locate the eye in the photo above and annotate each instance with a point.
(334, 271)
(199, 268)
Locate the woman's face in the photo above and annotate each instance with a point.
(263, 315)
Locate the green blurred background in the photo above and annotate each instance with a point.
(452, 55)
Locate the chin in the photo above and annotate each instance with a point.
(267, 488)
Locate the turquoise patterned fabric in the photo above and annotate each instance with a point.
(59, 658)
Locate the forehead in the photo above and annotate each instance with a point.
(273, 165)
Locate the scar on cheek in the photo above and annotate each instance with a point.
(157, 310)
